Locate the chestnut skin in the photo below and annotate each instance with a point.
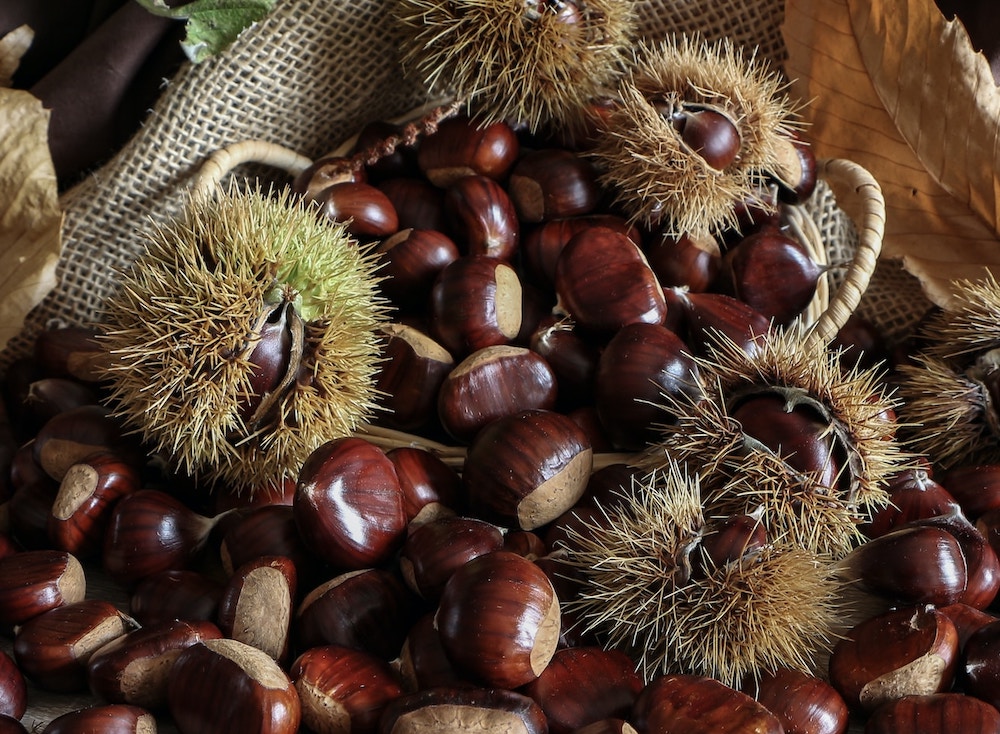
(694, 704)
(348, 504)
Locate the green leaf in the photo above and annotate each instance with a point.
(212, 25)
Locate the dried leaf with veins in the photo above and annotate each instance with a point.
(30, 237)
(901, 91)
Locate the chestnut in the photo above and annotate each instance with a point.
(528, 468)
(936, 713)
(72, 435)
(269, 530)
(35, 581)
(710, 317)
(640, 364)
(482, 217)
(604, 282)
(909, 650)
(422, 661)
(476, 303)
(552, 183)
(70, 351)
(803, 703)
(53, 649)
(370, 609)
(435, 549)
(572, 358)
(913, 495)
(707, 132)
(152, 531)
(583, 685)
(482, 710)
(498, 618)
(980, 664)
(49, 396)
(418, 203)
(180, 594)
(343, 691)
(87, 494)
(426, 480)
(976, 488)
(13, 688)
(694, 704)
(133, 669)
(542, 244)
(323, 173)
(492, 383)
(691, 261)
(981, 563)
(225, 685)
(412, 260)
(106, 719)
(796, 172)
(257, 603)
(365, 211)
(10, 725)
(349, 505)
(463, 147)
(967, 620)
(409, 377)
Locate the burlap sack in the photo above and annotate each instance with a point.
(308, 76)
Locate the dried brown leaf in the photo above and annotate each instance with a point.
(30, 241)
(898, 89)
(13, 46)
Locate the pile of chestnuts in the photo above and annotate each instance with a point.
(409, 579)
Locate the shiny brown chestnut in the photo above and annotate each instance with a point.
(584, 685)
(35, 581)
(980, 664)
(967, 620)
(528, 468)
(938, 713)
(640, 364)
(53, 649)
(751, 269)
(425, 480)
(708, 132)
(87, 494)
(269, 530)
(370, 609)
(709, 317)
(180, 594)
(796, 172)
(411, 261)
(542, 244)
(71, 436)
(976, 488)
(418, 203)
(691, 261)
(694, 704)
(913, 495)
(225, 685)
(257, 604)
(463, 147)
(134, 668)
(106, 719)
(604, 282)
(552, 183)
(28, 511)
(909, 650)
(730, 539)
(572, 358)
(365, 211)
(349, 505)
(152, 531)
(475, 302)
(482, 710)
(343, 691)
(491, 383)
(981, 563)
(422, 661)
(49, 396)
(498, 618)
(435, 549)
(409, 377)
(912, 564)
(482, 218)
(13, 688)
(803, 703)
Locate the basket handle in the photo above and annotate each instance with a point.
(859, 194)
(224, 160)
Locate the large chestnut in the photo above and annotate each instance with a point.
(528, 468)
(464, 709)
(694, 704)
(552, 183)
(349, 505)
(412, 260)
(225, 685)
(482, 217)
(33, 582)
(937, 713)
(604, 282)
(257, 603)
(409, 377)
(499, 619)
(803, 703)
(463, 147)
(435, 549)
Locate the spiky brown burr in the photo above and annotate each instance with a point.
(950, 396)
(741, 475)
(647, 588)
(659, 180)
(538, 62)
(240, 270)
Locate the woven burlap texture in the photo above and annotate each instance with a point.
(308, 76)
